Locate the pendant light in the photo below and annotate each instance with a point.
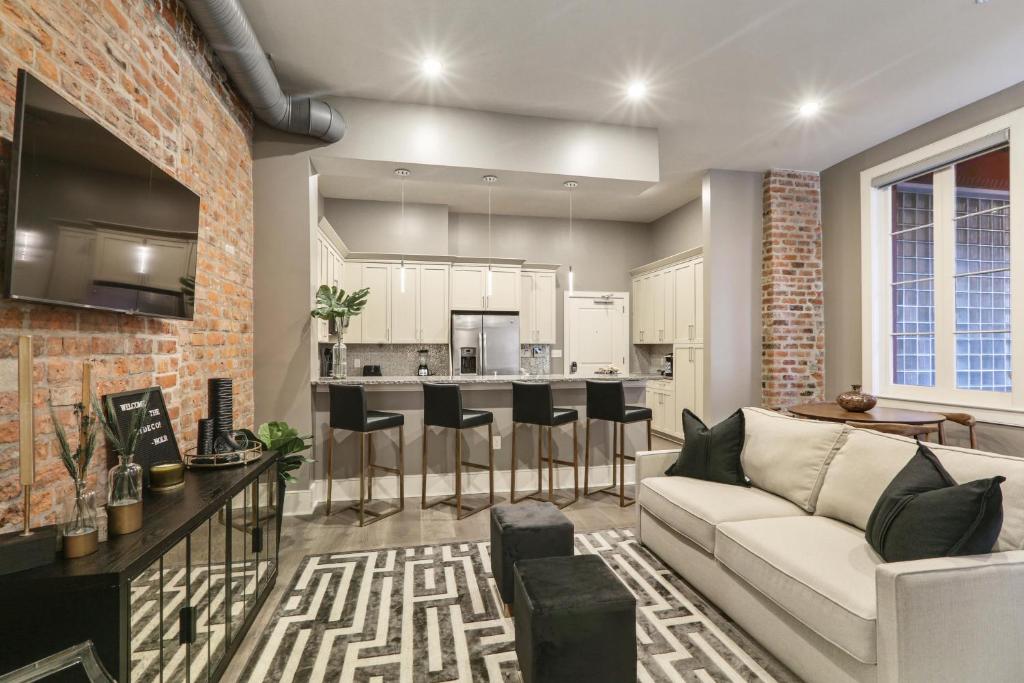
(402, 173)
(570, 185)
(490, 180)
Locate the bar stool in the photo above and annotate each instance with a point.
(607, 401)
(442, 407)
(348, 411)
(533, 404)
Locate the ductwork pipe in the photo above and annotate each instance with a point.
(225, 25)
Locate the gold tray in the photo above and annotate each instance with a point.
(195, 461)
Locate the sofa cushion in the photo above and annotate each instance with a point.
(819, 570)
(788, 456)
(693, 506)
(711, 453)
(868, 461)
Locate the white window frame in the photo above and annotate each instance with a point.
(876, 292)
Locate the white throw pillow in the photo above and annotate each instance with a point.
(788, 456)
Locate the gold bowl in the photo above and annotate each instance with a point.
(166, 476)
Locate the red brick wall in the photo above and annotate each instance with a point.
(792, 305)
(143, 70)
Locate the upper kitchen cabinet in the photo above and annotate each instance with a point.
(668, 300)
(329, 271)
(433, 308)
(372, 326)
(538, 305)
(479, 287)
(406, 305)
(688, 280)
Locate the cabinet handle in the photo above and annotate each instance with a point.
(690, 328)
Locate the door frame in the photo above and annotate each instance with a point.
(567, 331)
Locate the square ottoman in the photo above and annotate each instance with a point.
(575, 621)
(521, 532)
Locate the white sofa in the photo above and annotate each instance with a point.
(787, 559)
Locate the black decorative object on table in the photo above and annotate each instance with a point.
(924, 513)
(157, 443)
(204, 444)
(220, 404)
(575, 621)
(525, 532)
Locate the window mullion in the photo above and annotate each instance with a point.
(1016, 262)
(945, 256)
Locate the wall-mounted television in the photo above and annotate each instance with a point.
(92, 223)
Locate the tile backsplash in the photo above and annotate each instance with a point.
(535, 359)
(398, 359)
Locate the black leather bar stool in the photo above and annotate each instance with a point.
(533, 404)
(607, 401)
(442, 407)
(348, 411)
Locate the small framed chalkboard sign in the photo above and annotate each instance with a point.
(157, 443)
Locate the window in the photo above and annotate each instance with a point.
(940, 278)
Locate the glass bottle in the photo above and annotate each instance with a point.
(79, 528)
(124, 497)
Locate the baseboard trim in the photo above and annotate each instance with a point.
(304, 501)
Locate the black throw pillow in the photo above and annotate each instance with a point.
(711, 454)
(924, 513)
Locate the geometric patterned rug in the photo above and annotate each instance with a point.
(432, 613)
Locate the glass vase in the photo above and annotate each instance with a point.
(124, 497)
(339, 352)
(79, 528)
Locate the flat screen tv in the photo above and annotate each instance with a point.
(92, 223)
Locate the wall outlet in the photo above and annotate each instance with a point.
(496, 439)
(556, 353)
(356, 363)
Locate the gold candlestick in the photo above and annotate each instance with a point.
(26, 427)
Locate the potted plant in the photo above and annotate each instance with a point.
(338, 308)
(124, 482)
(279, 436)
(79, 528)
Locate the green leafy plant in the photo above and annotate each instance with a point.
(279, 436)
(123, 441)
(334, 305)
(76, 460)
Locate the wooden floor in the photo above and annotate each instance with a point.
(320, 533)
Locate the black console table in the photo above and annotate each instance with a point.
(170, 602)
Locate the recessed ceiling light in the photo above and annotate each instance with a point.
(432, 67)
(637, 90)
(809, 108)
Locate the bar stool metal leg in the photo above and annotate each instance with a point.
(458, 472)
(575, 462)
(490, 458)
(423, 499)
(551, 470)
(362, 479)
(586, 462)
(369, 471)
(622, 465)
(401, 467)
(330, 466)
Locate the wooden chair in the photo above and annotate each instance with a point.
(921, 432)
(964, 419)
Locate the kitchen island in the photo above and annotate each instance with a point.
(403, 394)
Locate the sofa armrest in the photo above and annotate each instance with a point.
(951, 618)
(654, 463)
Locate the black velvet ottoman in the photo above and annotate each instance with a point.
(575, 621)
(522, 532)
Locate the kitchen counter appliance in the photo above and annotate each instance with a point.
(485, 344)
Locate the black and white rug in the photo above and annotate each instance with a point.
(432, 613)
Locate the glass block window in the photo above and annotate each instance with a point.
(913, 282)
(981, 225)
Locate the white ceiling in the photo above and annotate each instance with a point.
(725, 76)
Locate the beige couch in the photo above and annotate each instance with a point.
(787, 559)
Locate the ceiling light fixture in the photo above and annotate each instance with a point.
(432, 67)
(489, 180)
(402, 173)
(809, 109)
(570, 185)
(637, 90)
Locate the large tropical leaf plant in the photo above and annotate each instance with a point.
(279, 436)
(335, 305)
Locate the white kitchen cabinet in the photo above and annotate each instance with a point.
(433, 310)
(538, 306)
(689, 304)
(661, 401)
(660, 299)
(668, 304)
(372, 325)
(698, 301)
(403, 326)
(329, 271)
(477, 287)
(688, 378)
(644, 311)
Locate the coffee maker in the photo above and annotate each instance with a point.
(666, 366)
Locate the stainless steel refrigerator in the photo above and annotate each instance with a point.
(485, 344)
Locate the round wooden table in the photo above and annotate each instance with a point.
(831, 412)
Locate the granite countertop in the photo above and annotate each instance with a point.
(478, 379)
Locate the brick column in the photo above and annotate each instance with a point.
(792, 306)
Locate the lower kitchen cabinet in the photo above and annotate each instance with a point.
(661, 401)
(169, 603)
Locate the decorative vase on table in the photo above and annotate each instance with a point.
(856, 401)
(79, 528)
(339, 352)
(124, 497)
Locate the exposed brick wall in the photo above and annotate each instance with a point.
(792, 304)
(141, 68)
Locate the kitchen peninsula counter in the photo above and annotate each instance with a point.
(415, 380)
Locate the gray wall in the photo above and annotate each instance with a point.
(377, 226)
(678, 230)
(840, 203)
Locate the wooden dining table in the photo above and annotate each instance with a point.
(832, 412)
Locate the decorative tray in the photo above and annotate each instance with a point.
(194, 460)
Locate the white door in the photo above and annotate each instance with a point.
(403, 323)
(596, 331)
(467, 290)
(504, 290)
(527, 315)
(545, 304)
(433, 309)
(375, 316)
